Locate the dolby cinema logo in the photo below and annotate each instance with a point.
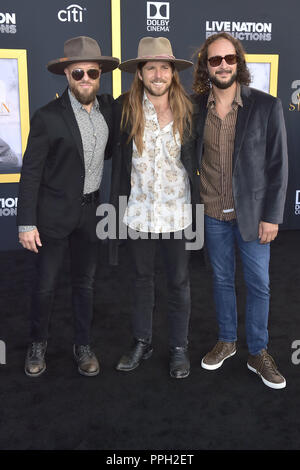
(158, 16)
(297, 202)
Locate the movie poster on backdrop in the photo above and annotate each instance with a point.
(264, 72)
(14, 113)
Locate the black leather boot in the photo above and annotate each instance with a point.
(140, 350)
(86, 360)
(35, 363)
(179, 362)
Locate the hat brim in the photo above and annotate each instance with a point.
(58, 66)
(131, 65)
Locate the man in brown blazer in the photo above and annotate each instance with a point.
(242, 156)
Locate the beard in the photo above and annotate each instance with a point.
(220, 84)
(154, 92)
(84, 96)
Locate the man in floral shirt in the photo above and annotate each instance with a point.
(153, 166)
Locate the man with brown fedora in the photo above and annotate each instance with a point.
(153, 167)
(58, 195)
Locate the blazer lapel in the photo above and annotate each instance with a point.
(200, 113)
(242, 123)
(69, 117)
(121, 136)
(128, 148)
(186, 157)
(107, 114)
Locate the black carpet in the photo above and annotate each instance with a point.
(145, 409)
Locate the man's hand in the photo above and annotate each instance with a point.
(30, 240)
(267, 232)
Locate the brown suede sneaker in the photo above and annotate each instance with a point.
(264, 365)
(215, 358)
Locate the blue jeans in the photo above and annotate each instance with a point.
(221, 237)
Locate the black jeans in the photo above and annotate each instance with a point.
(83, 246)
(176, 260)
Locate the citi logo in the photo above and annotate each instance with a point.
(73, 13)
(7, 18)
(158, 10)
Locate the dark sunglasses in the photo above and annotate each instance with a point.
(78, 74)
(216, 60)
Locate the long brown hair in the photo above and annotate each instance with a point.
(133, 114)
(201, 78)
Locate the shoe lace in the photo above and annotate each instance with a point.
(178, 353)
(36, 349)
(218, 347)
(85, 349)
(266, 361)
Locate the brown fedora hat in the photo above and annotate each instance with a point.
(82, 49)
(155, 49)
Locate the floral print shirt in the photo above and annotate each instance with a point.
(160, 197)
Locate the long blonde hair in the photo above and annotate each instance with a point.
(133, 114)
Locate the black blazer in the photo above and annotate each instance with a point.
(52, 177)
(121, 168)
(260, 159)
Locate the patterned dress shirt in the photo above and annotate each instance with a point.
(160, 197)
(94, 135)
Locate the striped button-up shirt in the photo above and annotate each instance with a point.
(216, 166)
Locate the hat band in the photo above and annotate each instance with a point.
(156, 57)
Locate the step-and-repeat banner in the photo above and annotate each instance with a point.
(33, 33)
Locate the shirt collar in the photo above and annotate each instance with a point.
(151, 114)
(236, 101)
(76, 105)
(147, 104)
